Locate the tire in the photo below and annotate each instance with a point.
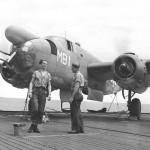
(135, 109)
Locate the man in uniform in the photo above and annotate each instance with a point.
(39, 89)
(75, 101)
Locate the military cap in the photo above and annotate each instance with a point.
(41, 61)
(76, 65)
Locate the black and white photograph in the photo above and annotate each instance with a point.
(74, 75)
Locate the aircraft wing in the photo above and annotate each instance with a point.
(101, 71)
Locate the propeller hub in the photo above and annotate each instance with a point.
(125, 67)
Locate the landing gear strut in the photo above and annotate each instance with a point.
(134, 106)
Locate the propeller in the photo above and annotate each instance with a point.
(122, 46)
(126, 69)
(17, 35)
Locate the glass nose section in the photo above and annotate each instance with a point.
(25, 57)
(27, 46)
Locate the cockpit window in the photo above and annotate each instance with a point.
(69, 45)
(63, 42)
(53, 47)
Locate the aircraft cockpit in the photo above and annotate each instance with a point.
(60, 41)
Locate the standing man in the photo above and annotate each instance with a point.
(75, 101)
(39, 89)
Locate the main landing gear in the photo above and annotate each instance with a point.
(134, 106)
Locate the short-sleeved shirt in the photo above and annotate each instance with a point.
(78, 77)
(41, 79)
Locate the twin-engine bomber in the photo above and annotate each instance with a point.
(128, 71)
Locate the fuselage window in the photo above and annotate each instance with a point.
(69, 44)
(53, 47)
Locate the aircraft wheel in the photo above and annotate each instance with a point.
(135, 109)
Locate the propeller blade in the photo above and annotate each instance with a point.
(17, 35)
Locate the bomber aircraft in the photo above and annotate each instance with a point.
(128, 70)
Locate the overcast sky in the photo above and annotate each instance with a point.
(106, 28)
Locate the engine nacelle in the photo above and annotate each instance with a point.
(130, 73)
(19, 80)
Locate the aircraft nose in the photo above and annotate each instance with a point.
(27, 55)
(24, 58)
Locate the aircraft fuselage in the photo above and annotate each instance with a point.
(60, 54)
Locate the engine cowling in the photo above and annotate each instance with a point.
(19, 80)
(130, 73)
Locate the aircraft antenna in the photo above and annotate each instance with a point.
(65, 33)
